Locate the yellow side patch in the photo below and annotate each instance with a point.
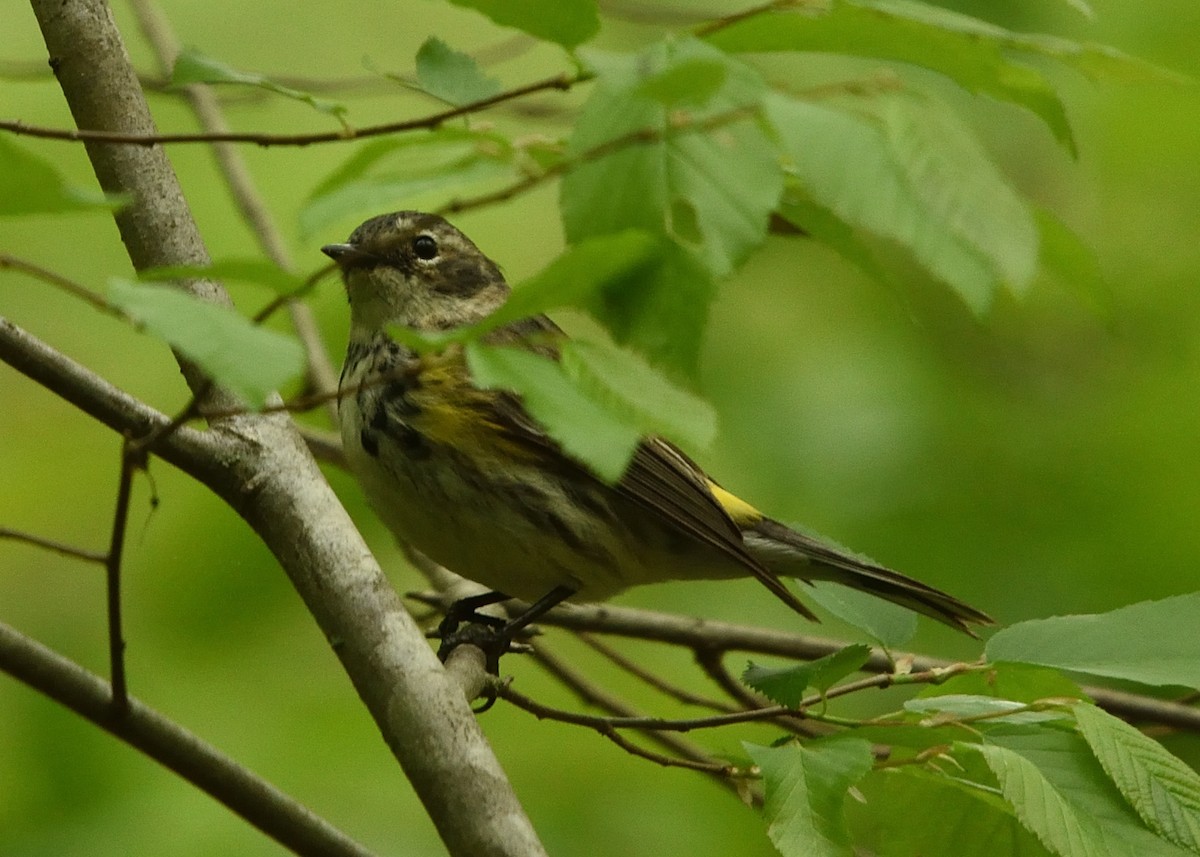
(743, 514)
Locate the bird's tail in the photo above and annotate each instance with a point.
(792, 554)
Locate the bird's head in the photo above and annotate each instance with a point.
(417, 271)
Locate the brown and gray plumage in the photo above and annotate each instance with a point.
(469, 478)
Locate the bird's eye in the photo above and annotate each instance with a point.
(425, 247)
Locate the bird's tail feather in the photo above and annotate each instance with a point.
(792, 554)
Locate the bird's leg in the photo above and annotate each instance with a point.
(496, 638)
(467, 610)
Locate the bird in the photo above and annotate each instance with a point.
(468, 477)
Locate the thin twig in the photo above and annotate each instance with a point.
(560, 81)
(723, 771)
(59, 281)
(711, 661)
(51, 544)
(640, 136)
(729, 20)
(131, 460)
(657, 682)
(769, 712)
(592, 694)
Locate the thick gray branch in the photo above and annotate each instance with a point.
(260, 467)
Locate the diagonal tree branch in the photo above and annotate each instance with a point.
(259, 466)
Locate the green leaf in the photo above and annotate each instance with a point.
(627, 386)
(889, 624)
(1073, 263)
(407, 172)
(1151, 642)
(586, 430)
(909, 812)
(806, 787)
(1043, 809)
(261, 272)
(786, 685)
(579, 276)
(693, 81)
(709, 190)
(662, 310)
(977, 61)
(567, 22)
(954, 706)
(910, 737)
(1065, 764)
(31, 185)
(974, 53)
(912, 174)
(195, 67)
(451, 75)
(821, 224)
(247, 360)
(1018, 682)
(1095, 61)
(1163, 790)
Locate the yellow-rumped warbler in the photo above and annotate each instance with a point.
(466, 476)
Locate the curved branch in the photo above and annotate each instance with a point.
(274, 813)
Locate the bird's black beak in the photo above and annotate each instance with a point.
(340, 253)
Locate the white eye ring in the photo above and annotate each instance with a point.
(425, 247)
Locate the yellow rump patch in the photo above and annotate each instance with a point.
(743, 514)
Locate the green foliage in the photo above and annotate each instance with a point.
(567, 22)
(888, 624)
(909, 811)
(580, 277)
(585, 429)
(1163, 790)
(687, 142)
(949, 707)
(806, 787)
(247, 360)
(1061, 826)
(709, 193)
(906, 171)
(451, 75)
(627, 386)
(1060, 793)
(911, 33)
(1016, 682)
(32, 185)
(1141, 643)
(786, 685)
(1080, 780)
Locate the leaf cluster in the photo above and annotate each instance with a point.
(1009, 757)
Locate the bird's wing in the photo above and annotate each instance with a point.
(660, 478)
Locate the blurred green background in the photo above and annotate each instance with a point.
(1040, 461)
